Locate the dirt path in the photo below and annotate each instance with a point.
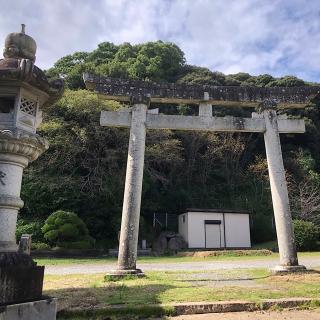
(283, 315)
(309, 262)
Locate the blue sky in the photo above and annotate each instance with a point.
(278, 37)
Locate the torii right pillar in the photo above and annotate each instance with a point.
(279, 192)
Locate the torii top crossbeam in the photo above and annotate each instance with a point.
(124, 89)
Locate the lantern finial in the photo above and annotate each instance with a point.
(19, 45)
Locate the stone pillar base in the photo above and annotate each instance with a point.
(44, 309)
(123, 273)
(288, 269)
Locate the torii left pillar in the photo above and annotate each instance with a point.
(129, 233)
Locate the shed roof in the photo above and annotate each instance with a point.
(216, 210)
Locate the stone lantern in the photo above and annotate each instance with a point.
(24, 89)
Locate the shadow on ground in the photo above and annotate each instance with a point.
(89, 297)
(118, 299)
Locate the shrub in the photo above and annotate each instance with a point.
(33, 228)
(66, 230)
(306, 235)
(39, 246)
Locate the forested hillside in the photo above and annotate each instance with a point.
(84, 169)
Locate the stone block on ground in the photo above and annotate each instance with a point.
(160, 245)
(169, 241)
(44, 309)
(177, 243)
(20, 278)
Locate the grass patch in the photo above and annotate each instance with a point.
(72, 261)
(224, 256)
(129, 312)
(91, 292)
(114, 278)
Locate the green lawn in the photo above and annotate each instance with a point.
(86, 292)
(167, 259)
(164, 259)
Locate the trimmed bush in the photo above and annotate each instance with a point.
(66, 230)
(306, 235)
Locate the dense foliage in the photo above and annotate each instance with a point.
(66, 230)
(32, 228)
(307, 235)
(84, 169)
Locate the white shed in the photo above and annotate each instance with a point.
(215, 228)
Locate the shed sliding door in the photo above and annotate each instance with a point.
(213, 236)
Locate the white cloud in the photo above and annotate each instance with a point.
(256, 36)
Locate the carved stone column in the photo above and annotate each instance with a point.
(279, 192)
(128, 242)
(16, 151)
(132, 194)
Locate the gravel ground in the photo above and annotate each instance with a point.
(284, 315)
(309, 262)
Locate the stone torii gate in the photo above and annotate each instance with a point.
(139, 118)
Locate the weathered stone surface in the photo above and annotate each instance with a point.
(169, 241)
(22, 73)
(18, 67)
(218, 307)
(177, 243)
(160, 245)
(283, 269)
(25, 244)
(279, 191)
(123, 89)
(23, 144)
(17, 149)
(139, 99)
(20, 278)
(20, 284)
(239, 306)
(202, 123)
(11, 259)
(19, 45)
(123, 273)
(128, 242)
(44, 309)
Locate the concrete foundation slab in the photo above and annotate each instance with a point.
(288, 269)
(119, 274)
(45, 309)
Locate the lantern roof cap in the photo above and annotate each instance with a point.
(19, 45)
(18, 68)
